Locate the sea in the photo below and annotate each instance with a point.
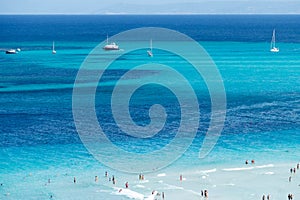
(42, 149)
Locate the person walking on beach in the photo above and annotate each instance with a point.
(180, 177)
(298, 166)
(106, 174)
(126, 185)
(263, 197)
(96, 178)
(205, 193)
(290, 179)
(268, 197)
(163, 195)
(291, 170)
(201, 193)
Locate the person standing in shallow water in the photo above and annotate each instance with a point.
(74, 180)
(163, 195)
(205, 193)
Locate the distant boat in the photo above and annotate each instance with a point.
(53, 48)
(111, 46)
(11, 51)
(149, 52)
(273, 47)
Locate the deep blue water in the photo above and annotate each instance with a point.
(250, 28)
(262, 90)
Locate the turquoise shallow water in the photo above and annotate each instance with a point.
(40, 141)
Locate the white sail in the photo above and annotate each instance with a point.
(53, 48)
(150, 54)
(273, 47)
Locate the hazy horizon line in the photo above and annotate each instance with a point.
(150, 14)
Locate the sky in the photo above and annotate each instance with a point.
(149, 6)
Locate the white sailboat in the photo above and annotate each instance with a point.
(53, 48)
(149, 52)
(273, 47)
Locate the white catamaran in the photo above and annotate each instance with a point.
(111, 46)
(273, 47)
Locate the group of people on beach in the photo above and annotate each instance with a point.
(247, 162)
(293, 171)
(264, 197)
(204, 193)
(141, 177)
(290, 196)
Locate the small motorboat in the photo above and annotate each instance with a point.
(11, 51)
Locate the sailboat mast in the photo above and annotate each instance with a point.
(274, 40)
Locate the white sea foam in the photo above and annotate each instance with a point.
(139, 186)
(229, 184)
(269, 173)
(161, 175)
(173, 187)
(129, 193)
(248, 168)
(207, 171)
(265, 166)
(238, 169)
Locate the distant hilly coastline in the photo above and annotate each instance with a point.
(212, 7)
